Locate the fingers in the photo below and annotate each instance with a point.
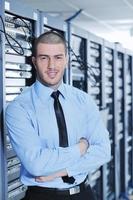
(44, 178)
(40, 179)
(83, 145)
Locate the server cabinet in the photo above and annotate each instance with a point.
(83, 74)
(18, 73)
(95, 89)
(126, 186)
(109, 168)
(118, 118)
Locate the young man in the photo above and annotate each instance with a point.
(56, 129)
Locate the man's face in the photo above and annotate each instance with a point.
(50, 63)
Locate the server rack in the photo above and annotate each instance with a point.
(128, 125)
(18, 74)
(109, 168)
(96, 90)
(118, 118)
(81, 77)
(126, 186)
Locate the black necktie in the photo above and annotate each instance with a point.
(63, 138)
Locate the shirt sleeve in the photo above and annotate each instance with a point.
(99, 151)
(36, 159)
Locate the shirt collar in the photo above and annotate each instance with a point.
(44, 92)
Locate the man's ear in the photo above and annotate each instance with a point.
(34, 61)
(66, 64)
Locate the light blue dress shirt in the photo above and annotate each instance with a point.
(33, 131)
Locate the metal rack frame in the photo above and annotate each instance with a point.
(3, 169)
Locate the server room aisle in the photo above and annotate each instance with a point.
(101, 68)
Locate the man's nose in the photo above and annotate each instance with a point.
(51, 63)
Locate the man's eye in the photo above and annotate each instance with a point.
(58, 57)
(44, 58)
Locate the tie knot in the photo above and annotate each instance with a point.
(55, 95)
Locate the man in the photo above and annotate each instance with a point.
(55, 166)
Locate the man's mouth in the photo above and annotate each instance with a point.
(52, 74)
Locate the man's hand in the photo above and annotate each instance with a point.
(44, 178)
(83, 145)
(51, 177)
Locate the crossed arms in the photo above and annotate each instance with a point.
(83, 146)
(49, 163)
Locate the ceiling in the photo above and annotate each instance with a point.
(110, 19)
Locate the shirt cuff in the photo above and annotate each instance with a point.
(76, 155)
(71, 171)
